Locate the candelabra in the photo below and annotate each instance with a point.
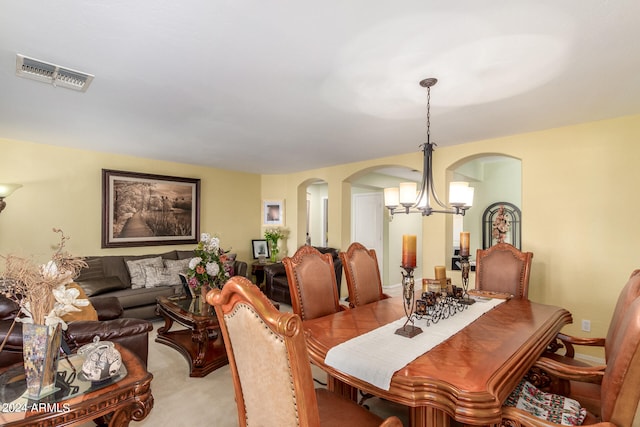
(465, 266)
(408, 284)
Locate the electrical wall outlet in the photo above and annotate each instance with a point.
(586, 325)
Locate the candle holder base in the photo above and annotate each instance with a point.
(408, 331)
(465, 266)
(466, 300)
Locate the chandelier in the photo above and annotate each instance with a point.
(404, 198)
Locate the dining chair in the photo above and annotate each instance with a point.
(363, 275)
(565, 342)
(503, 268)
(270, 365)
(312, 283)
(587, 392)
(618, 382)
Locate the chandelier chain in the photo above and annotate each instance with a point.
(428, 114)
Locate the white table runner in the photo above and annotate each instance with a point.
(375, 356)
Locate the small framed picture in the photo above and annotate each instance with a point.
(273, 212)
(260, 249)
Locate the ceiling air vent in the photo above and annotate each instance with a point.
(41, 71)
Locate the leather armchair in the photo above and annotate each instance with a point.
(277, 286)
(130, 333)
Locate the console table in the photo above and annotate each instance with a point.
(257, 269)
(115, 402)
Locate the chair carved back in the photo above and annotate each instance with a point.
(268, 358)
(628, 294)
(620, 389)
(312, 283)
(503, 268)
(363, 275)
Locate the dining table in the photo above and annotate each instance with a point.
(465, 377)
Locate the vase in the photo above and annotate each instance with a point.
(40, 349)
(273, 247)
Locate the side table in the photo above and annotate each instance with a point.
(114, 402)
(257, 269)
(201, 342)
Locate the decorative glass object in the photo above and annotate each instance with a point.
(40, 347)
(102, 360)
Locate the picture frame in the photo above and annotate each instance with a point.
(140, 209)
(260, 248)
(273, 212)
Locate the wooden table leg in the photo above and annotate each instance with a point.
(428, 416)
(336, 386)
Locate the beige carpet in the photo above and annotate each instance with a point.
(181, 401)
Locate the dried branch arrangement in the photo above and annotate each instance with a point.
(40, 289)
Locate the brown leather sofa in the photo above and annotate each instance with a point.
(130, 333)
(108, 276)
(277, 286)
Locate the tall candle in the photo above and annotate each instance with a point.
(441, 272)
(408, 250)
(464, 243)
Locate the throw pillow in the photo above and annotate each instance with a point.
(229, 264)
(93, 287)
(158, 276)
(138, 278)
(177, 267)
(86, 312)
(548, 406)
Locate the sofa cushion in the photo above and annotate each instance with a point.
(177, 267)
(143, 296)
(229, 264)
(107, 307)
(159, 276)
(136, 271)
(93, 270)
(185, 254)
(97, 286)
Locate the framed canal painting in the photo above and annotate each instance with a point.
(140, 209)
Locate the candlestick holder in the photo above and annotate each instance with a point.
(465, 267)
(408, 284)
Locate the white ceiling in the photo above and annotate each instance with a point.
(277, 86)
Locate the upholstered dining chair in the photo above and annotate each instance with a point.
(503, 268)
(618, 383)
(586, 392)
(627, 295)
(271, 368)
(312, 283)
(363, 275)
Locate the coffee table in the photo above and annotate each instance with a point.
(201, 342)
(116, 401)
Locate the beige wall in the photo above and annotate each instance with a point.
(62, 188)
(578, 206)
(578, 210)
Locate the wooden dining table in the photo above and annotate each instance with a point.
(466, 377)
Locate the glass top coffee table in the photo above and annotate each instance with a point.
(201, 342)
(117, 401)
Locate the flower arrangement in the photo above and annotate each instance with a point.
(207, 267)
(500, 226)
(272, 235)
(40, 290)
